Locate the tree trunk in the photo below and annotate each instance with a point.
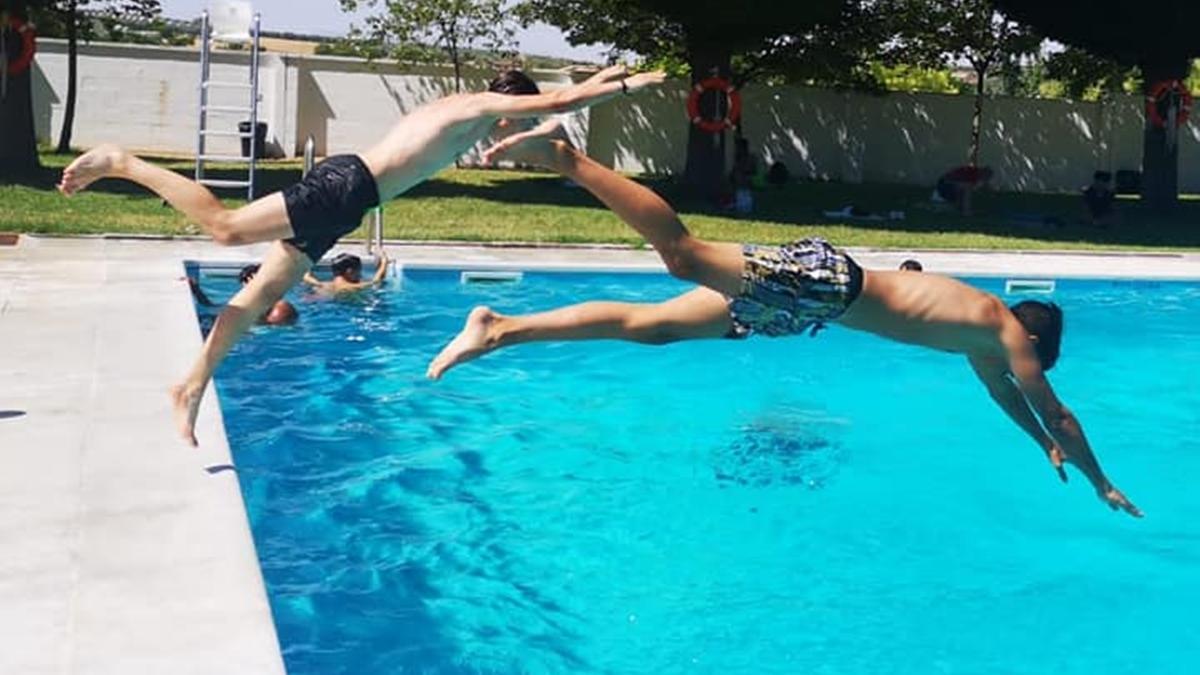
(705, 169)
(977, 118)
(1160, 156)
(64, 138)
(457, 72)
(18, 139)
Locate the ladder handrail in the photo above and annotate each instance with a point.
(256, 26)
(310, 154)
(200, 145)
(206, 45)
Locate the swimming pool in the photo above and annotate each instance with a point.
(829, 505)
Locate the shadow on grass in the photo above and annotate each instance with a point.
(1041, 217)
(1050, 218)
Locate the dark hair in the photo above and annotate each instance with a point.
(344, 262)
(1043, 320)
(248, 273)
(911, 265)
(514, 83)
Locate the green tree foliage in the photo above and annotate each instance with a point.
(433, 30)
(826, 41)
(915, 78)
(1085, 76)
(830, 42)
(945, 33)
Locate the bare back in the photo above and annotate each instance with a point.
(931, 311)
(425, 141)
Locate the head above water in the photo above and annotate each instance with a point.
(347, 266)
(248, 273)
(911, 265)
(1044, 323)
(282, 313)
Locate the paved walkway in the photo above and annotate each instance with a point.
(124, 550)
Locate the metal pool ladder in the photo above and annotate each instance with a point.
(228, 27)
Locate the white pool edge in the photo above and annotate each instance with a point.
(128, 554)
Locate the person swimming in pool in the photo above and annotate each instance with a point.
(347, 275)
(306, 219)
(793, 289)
(282, 313)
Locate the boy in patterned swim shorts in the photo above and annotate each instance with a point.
(792, 289)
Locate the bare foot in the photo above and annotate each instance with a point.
(186, 403)
(471, 343)
(97, 163)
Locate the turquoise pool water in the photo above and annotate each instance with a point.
(828, 505)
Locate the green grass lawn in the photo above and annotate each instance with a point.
(518, 206)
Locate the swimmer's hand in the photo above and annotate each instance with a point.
(1106, 491)
(538, 146)
(619, 73)
(640, 81)
(1117, 501)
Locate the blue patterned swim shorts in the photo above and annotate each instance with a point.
(789, 289)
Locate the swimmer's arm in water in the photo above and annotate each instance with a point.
(993, 373)
(606, 84)
(1058, 420)
(381, 268)
(198, 294)
(312, 280)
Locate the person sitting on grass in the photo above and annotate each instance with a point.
(306, 219)
(347, 275)
(958, 184)
(792, 289)
(282, 313)
(1099, 197)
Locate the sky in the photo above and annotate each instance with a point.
(325, 17)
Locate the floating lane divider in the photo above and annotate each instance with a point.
(1028, 286)
(490, 277)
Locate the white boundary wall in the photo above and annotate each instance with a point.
(146, 98)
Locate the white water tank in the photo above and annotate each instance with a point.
(230, 20)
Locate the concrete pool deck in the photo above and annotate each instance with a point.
(125, 551)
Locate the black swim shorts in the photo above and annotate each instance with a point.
(329, 203)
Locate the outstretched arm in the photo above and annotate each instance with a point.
(381, 268)
(994, 375)
(606, 84)
(1061, 424)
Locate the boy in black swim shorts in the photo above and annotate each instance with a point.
(306, 219)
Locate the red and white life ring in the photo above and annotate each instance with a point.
(1160, 94)
(28, 45)
(732, 114)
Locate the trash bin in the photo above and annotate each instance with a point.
(260, 139)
